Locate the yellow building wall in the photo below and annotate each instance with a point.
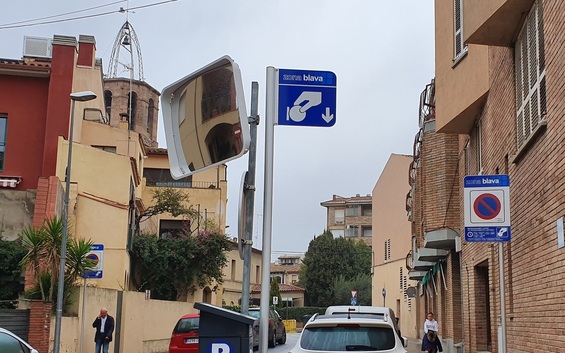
(142, 330)
(98, 206)
(387, 276)
(87, 79)
(233, 275)
(390, 220)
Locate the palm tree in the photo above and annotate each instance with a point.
(52, 231)
(33, 241)
(44, 255)
(77, 262)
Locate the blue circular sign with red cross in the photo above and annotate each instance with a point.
(487, 206)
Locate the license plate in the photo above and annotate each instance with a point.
(190, 340)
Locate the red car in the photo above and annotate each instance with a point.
(185, 335)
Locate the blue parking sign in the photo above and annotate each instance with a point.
(306, 98)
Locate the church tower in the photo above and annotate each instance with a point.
(127, 97)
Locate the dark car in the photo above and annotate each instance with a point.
(277, 331)
(185, 335)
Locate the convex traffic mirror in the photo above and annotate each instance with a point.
(205, 118)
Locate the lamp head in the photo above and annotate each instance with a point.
(83, 96)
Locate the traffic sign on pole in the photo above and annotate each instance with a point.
(487, 208)
(306, 97)
(96, 255)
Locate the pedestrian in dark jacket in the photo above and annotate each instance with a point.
(431, 343)
(104, 325)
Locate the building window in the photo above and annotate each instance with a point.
(150, 116)
(172, 228)
(132, 109)
(162, 178)
(529, 55)
(367, 210)
(387, 250)
(111, 149)
(108, 103)
(401, 274)
(338, 233)
(367, 231)
(3, 130)
(339, 216)
(478, 148)
(294, 279)
(232, 270)
(257, 274)
(352, 231)
(352, 211)
(459, 46)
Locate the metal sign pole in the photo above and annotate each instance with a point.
(267, 207)
(502, 297)
(82, 318)
(250, 202)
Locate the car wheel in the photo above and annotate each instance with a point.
(283, 338)
(273, 339)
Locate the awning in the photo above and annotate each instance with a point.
(435, 269)
(9, 182)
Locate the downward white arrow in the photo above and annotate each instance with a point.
(327, 117)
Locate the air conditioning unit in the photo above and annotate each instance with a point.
(36, 47)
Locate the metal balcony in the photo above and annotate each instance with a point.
(443, 238)
(432, 255)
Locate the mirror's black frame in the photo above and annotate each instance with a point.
(175, 114)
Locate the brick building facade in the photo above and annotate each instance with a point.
(499, 91)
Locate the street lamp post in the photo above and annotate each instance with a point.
(80, 97)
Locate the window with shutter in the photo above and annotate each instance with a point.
(529, 56)
(459, 46)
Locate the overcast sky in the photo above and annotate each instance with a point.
(382, 52)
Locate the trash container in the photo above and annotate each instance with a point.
(224, 331)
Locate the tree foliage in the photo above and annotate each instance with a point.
(329, 258)
(275, 291)
(168, 200)
(342, 288)
(11, 253)
(172, 268)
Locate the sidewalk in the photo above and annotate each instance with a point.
(414, 345)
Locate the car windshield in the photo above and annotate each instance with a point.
(347, 338)
(254, 313)
(187, 325)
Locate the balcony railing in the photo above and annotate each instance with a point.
(427, 103)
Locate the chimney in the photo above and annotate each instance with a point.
(86, 50)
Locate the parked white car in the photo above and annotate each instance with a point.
(365, 309)
(372, 333)
(10, 343)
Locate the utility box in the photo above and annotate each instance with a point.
(224, 331)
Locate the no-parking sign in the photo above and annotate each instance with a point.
(96, 256)
(487, 208)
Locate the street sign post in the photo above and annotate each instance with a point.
(487, 208)
(306, 97)
(96, 255)
(486, 202)
(299, 98)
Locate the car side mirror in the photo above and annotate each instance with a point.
(205, 118)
